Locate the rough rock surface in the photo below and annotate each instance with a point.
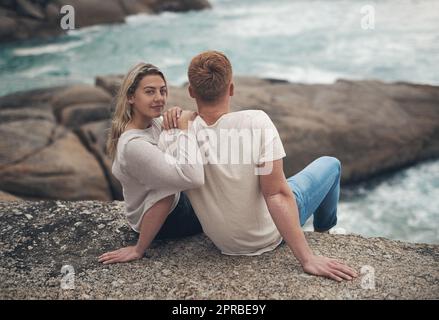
(38, 238)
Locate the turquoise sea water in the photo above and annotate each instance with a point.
(301, 41)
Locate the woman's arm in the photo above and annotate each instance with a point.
(152, 221)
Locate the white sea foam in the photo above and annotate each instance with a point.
(39, 71)
(405, 206)
(47, 49)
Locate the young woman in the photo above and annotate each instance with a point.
(151, 183)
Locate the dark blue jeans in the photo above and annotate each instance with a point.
(317, 191)
(181, 222)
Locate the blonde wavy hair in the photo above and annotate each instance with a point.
(123, 112)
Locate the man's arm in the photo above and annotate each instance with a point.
(283, 209)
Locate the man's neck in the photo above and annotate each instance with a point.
(211, 113)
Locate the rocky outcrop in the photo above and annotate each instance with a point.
(371, 126)
(24, 19)
(50, 249)
(42, 157)
(53, 140)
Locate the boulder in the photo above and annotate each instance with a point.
(76, 95)
(76, 115)
(131, 7)
(30, 9)
(29, 98)
(109, 83)
(7, 27)
(93, 12)
(94, 137)
(23, 138)
(62, 169)
(25, 19)
(371, 126)
(177, 5)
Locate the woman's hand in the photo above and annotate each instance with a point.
(170, 118)
(330, 268)
(122, 255)
(184, 119)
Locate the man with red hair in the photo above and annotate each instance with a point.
(249, 207)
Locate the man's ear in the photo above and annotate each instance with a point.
(191, 92)
(232, 89)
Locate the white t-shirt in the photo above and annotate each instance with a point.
(230, 205)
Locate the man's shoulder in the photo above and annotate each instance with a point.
(249, 113)
(252, 117)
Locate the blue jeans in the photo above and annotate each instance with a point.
(317, 191)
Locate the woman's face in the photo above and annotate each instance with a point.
(149, 99)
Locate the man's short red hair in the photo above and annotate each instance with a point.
(210, 74)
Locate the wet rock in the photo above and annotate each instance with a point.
(25, 19)
(30, 9)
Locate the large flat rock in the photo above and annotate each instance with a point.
(372, 127)
(38, 238)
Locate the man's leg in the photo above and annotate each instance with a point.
(317, 190)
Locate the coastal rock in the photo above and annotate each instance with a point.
(94, 137)
(79, 114)
(78, 95)
(30, 9)
(53, 255)
(371, 126)
(93, 12)
(25, 19)
(62, 169)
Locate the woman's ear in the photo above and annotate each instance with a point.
(130, 99)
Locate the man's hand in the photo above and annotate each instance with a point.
(284, 211)
(170, 118)
(330, 268)
(122, 255)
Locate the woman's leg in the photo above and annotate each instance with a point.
(181, 222)
(317, 190)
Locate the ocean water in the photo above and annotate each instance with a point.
(300, 41)
(402, 206)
